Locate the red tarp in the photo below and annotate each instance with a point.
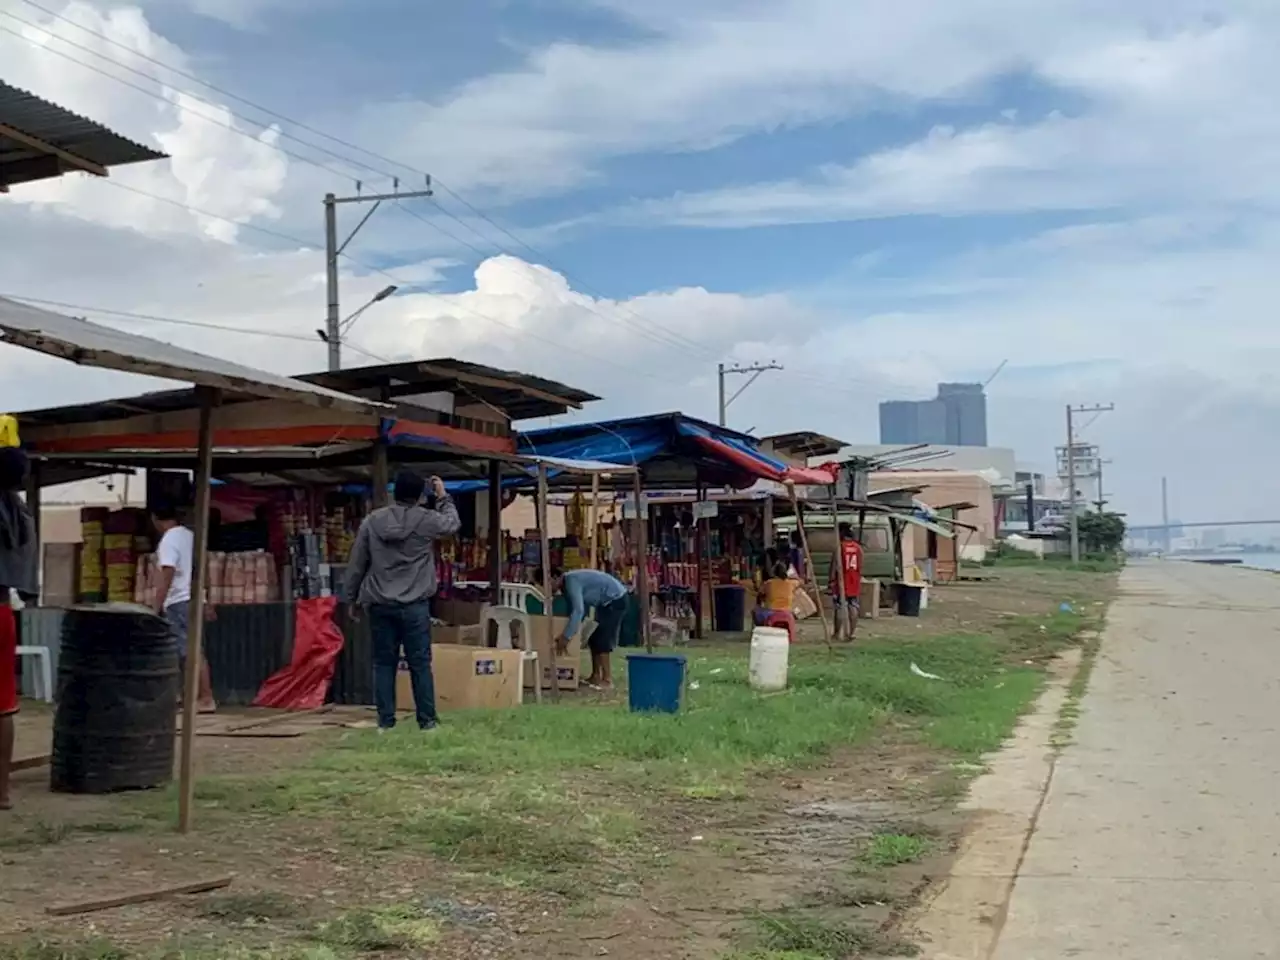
(317, 641)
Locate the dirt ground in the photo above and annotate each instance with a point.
(716, 868)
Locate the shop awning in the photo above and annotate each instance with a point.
(732, 448)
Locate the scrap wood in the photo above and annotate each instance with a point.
(281, 717)
(143, 896)
(250, 734)
(31, 763)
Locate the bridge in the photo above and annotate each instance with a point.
(1199, 523)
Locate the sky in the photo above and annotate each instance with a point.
(875, 196)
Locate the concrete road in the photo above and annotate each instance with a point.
(1160, 832)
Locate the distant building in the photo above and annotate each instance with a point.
(956, 417)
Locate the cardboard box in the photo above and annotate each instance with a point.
(463, 613)
(467, 678)
(869, 600)
(468, 636)
(568, 666)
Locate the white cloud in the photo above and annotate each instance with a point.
(213, 167)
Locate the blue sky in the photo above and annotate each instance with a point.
(878, 196)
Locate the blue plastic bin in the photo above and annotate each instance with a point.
(655, 682)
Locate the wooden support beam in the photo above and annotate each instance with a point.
(35, 143)
(209, 397)
(496, 539)
(808, 562)
(479, 380)
(642, 564)
(548, 617)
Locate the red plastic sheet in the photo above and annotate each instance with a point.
(317, 641)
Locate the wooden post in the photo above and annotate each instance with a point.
(208, 397)
(642, 564)
(808, 562)
(767, 536)
(837, 560)
(595, 519)
(381, 473)
(496, 539)
(699, 575)
(33, 507)
(548, 617)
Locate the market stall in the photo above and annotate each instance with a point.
(217, 380)
(290, 494)
(693, 462)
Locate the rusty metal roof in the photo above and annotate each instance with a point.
(40, 140)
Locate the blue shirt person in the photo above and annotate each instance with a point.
(607, 595)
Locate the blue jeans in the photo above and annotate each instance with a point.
(406, 627)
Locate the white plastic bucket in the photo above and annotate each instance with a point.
(770, 648)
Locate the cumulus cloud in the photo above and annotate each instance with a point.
(214, 167)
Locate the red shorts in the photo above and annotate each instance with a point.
(8, 661)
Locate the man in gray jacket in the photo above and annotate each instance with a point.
(392, 572)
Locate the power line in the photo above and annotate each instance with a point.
(651, 328)
(647, 328)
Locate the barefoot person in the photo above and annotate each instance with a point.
(18, 574)
(173, 598)
(586, 590)
(392, 571)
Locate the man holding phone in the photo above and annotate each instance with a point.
(392, 572)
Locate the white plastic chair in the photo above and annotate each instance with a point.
(509, 594)
(44, 669)
(504, 617)
(529, 661)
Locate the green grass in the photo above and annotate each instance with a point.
(797, 935)
(1088, 563)
(537, 796)
(894, 849)
(105, 950)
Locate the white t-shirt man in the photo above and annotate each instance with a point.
(175, 550)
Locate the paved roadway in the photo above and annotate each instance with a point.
(1160, 833)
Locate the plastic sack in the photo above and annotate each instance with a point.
(803, 607)
(317, 641)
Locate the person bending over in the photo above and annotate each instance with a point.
(586, 590)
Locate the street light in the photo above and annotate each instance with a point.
(348, 323)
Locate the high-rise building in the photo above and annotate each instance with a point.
(956, 417)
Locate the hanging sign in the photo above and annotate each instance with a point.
(706, 509)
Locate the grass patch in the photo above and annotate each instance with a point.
(382, 929)
(894, 849)
(1089, 562)
(791, 934)
(40, 833)
(1064, 727)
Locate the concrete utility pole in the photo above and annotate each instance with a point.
(755, 369)
(1073, 519)
(333, 250)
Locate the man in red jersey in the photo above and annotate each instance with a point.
(847, 562)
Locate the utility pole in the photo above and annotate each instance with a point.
(333, 250)
(1073, 519)
(1101, 502)
(755, 369)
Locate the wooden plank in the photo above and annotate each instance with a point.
(808, 562)
(31, 763)
(283, 716)
(142, 896)
(35, 143)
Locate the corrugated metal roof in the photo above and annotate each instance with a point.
(805, 442)
(521, 396)
(59, 129)
(94, 345)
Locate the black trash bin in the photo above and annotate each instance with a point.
(909, 598)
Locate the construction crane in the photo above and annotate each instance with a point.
(996, 373)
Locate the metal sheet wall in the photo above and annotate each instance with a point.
(245, 645)
(353, 679)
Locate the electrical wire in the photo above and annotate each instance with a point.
(650, 329)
